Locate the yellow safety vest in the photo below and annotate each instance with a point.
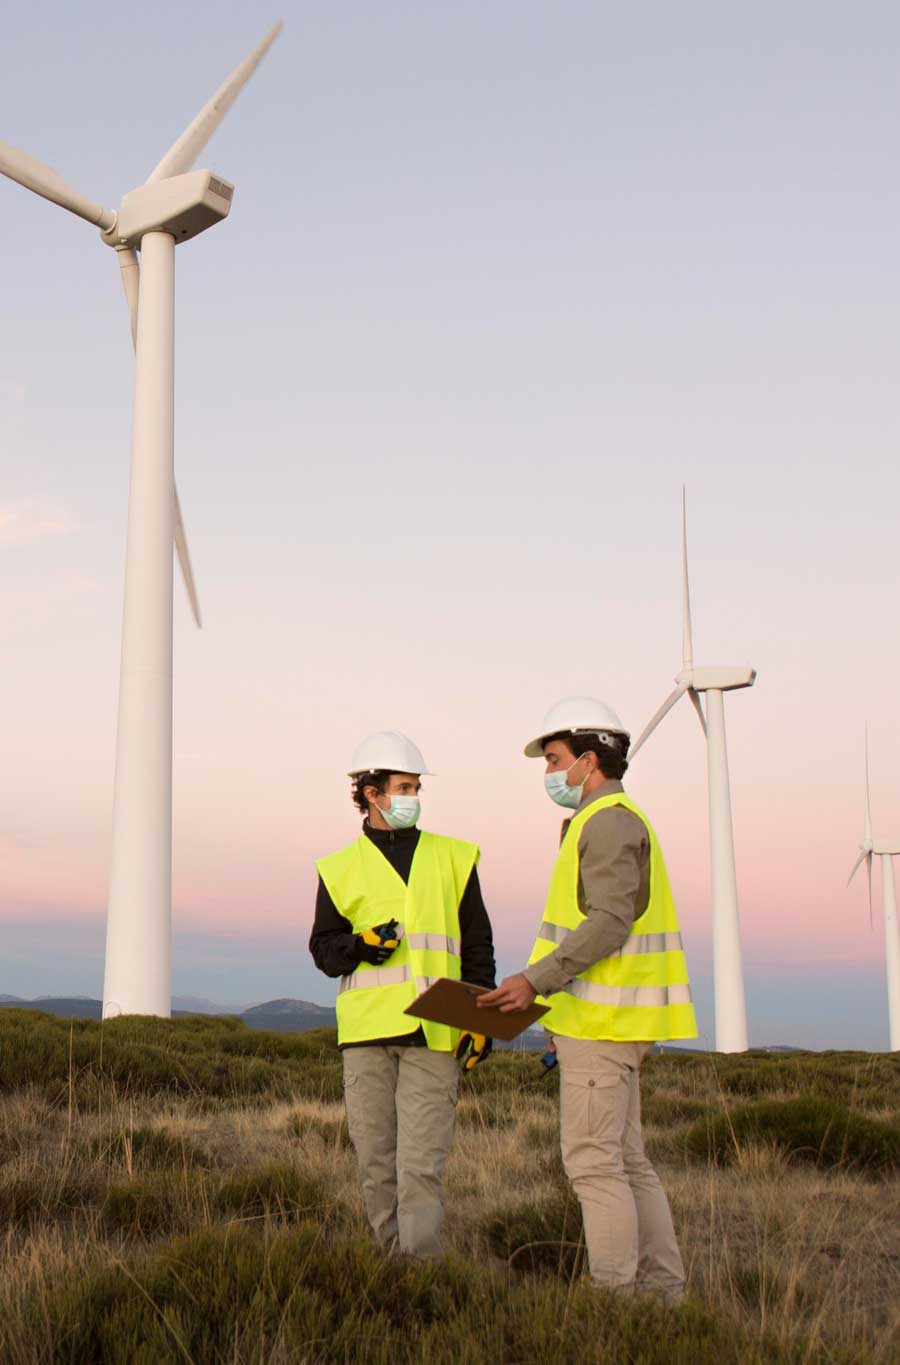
(640, 993)
(367, 891)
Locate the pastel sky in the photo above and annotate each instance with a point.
(498, 278)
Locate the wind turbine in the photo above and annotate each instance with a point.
(173, 205)
(714, 681)
(886, 852)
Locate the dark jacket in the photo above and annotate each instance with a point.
(335, 947)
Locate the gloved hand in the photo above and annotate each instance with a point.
(549, 1061)
(472, 1049)
(376, 944)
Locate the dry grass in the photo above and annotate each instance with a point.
(786, 1262)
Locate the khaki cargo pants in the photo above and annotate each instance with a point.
(627, 1222)
(401, 1113)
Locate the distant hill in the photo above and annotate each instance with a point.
(198, 1004)
(289, 1016)
(282, 1016)
(70, 1007)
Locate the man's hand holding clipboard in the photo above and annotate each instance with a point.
(458, 1004)
(513, 993)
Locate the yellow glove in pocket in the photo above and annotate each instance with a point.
(472, 1049)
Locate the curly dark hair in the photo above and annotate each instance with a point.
(611, 751)
(377, 779)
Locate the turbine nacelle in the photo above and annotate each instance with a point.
(182, 205)
(717, 677)
(889, 850)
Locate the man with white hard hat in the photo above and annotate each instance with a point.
(608, 960)
(396, 909)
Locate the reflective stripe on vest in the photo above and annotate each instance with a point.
(379, 976)
(435, 943)
(639, 993)
(636, 943)
(384, 976)
(367, 890)
(642, 996)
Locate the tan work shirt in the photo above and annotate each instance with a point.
(613, 891)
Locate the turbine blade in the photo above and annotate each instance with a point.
(687, 641)
(856, 866)
(698, 707)
(182, 154)
(131, 281)
(130, 272)
(663, 711)
(867, 827)
(869, 879)
(43, 180)
(184, 560)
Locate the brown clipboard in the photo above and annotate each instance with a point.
(453, 1003)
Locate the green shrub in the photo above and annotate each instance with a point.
(146, 1209)
(541, 1236)
(855, 1078)
(333, 1132)
(667, 1110)
(38, 1197)
(811, 1129)
(210, 1059)
(275, 1192)
(147, 1148)
(230, 1296)
(505, 1073)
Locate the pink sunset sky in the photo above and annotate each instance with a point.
(497, 281)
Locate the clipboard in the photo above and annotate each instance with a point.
(453, 1003)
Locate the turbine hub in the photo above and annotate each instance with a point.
(723, 677)
(183, 206)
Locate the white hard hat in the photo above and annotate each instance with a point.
(577, 715)
(388, 750)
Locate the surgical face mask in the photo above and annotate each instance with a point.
(558, 788)
(402, 812)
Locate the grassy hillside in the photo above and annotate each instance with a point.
(185, 1191)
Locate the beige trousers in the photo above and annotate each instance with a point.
(627, 1221)
(401, 1113)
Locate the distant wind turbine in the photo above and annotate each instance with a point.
(730, 1006)
(174, 205)
(886, 852)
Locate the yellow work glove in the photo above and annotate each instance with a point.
(375, 945)
(472, 1049)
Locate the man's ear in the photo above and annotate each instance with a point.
(371, 794)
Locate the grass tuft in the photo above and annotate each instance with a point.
(810, 1129)
(234, 1297)
(544, 1236)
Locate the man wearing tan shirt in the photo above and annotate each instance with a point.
(609, 962)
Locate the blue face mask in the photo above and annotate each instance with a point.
(402, 812)
(558, 788)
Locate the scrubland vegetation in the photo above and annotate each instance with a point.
(185, 1191)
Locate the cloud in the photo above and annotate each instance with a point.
(21, 523)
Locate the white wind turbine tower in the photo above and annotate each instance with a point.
(174, 205)
(728, 975)
(887, 853)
